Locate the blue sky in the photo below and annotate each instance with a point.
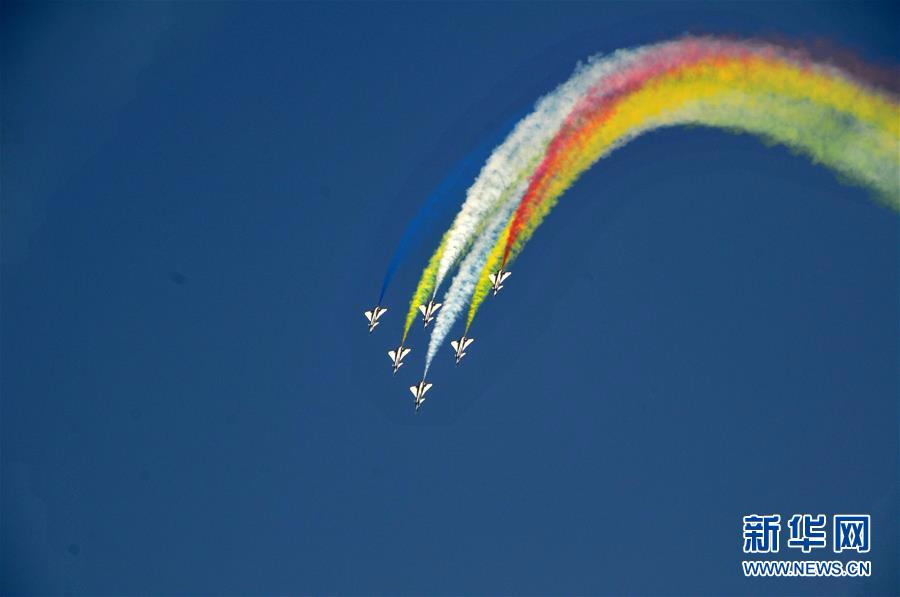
(199, 201)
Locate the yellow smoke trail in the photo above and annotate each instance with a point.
(425, 287)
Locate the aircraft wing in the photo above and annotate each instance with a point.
(404, 353)
(436, 307)
(422, 309)
(493, 278)
(392, 354)
(380, 313)
(505, 276)
(469, 341)
(426, 388)
(414, 391)
(368, 315)
(454, 344)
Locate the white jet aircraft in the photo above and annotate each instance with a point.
(429, 310)
(497, 280)
(419, 392)
(460, 346)
(373, 316)
(398, 355)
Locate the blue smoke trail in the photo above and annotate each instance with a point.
(438, 203)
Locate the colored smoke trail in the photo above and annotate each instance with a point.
(818, 111)
(812, 109)
(424, 289)
(483, 286)
(514, 158)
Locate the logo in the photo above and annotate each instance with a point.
(806, 532)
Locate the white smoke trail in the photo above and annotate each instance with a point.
(464, 282)
(520, 152)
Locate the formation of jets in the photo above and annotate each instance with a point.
(428, 311)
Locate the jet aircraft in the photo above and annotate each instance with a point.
(419, 392)
(429, 310)
(398, 355)
(460, 347)
(374, 315)
(497, 280)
